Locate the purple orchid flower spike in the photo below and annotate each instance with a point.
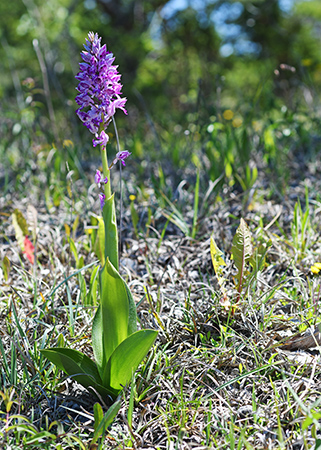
(99, 88)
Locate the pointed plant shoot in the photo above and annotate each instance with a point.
(241, 251)
(218, 262)
(246, 260)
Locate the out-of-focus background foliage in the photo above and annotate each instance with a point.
(210, 83)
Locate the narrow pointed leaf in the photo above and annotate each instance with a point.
(127, 357)
(178, 221)
(218, 262)
(106, 420)
(257, 260)
(21, 221)
(98, 415)
(20, 226)
(6, 267)
(196, 199)
(242, 249)
(32, 217)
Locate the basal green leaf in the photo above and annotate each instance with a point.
(68, 359)
(78, 366)
(127, 357)
(91, 298)
(132, 314)
(97, 339)
(242, 249)
(110, 325)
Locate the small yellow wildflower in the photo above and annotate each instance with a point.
(132, 197)
(237, 122)
(307, 62)
(315, 270)
(317, 265)
(228, 114)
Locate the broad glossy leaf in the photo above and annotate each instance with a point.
(111, 233)
(110, 325)
(77, 365)
(97, 339)
(127, 357)
(132, 314)
(68, 359)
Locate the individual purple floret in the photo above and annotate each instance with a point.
(101, 139)
(99, 178)
(120, 156)
(99, 88)
(102, 200)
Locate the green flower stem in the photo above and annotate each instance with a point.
(109, 213)
(106, 171)
(111, 232)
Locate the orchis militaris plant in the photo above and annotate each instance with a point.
(117, 345)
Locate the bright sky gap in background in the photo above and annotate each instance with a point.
(226, 31)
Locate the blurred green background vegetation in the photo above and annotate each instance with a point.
(225, 86)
